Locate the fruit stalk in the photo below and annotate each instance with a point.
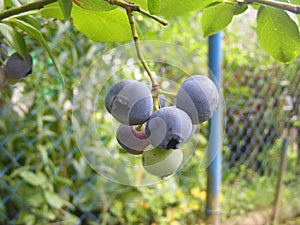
(155, 85)
(167, 93)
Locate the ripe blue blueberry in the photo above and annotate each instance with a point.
(132, 140)
(130, 102)
(3, 77)
(168, 128)
(198, 97)
(16, 67)
(162, 100)
(194, 128)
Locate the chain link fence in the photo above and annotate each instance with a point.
(261, 113)
(45, 180)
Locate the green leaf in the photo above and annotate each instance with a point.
(278, 34)
(216, 17)
(63, 181)
(153, 6)
(141, 3)
(29, 219)
(34, 179)
(35, 199)
(35, 33)
(52, 11)
(239, 9)
(297, 123)
(170, 8)
(10, 3)
(95, 5)
(54, 200)
(66, 8)
(14, 38)
(109, 26)
(32, 21)
(70, 218)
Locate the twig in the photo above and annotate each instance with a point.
(158, 19)
(133, 7)
(24, 8)
(155, 85)
(138, 47)
(294, 8)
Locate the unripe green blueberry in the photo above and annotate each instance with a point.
(17, 67)
(162, 163)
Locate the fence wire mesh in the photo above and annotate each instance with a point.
(44, 178)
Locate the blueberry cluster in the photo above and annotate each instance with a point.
(131, 103)
(16, 67)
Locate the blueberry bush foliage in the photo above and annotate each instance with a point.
(106, 20)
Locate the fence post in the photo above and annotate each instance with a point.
(280, 180)
(216, 130)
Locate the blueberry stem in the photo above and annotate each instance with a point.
(167, 93)
(139, 127)
(155, 85)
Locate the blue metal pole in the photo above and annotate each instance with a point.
(216, 129)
